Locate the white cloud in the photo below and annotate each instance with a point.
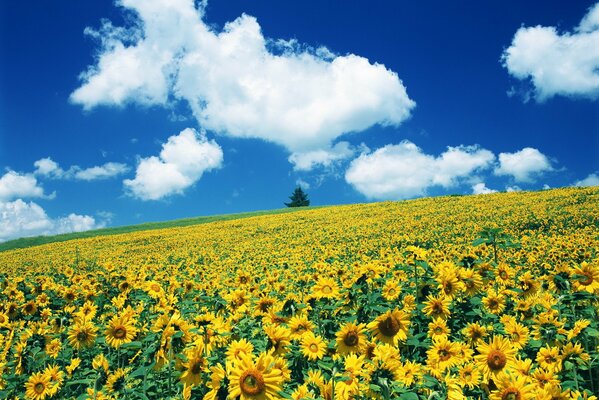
(20, 219)
(302, 183)
(558, 64)
(513, 188)
(50, 169)
(181, 163)
(591, 180)
(14, 184)
(481, 188)
(524, 165)
(105, 171)
(47, 167)
(322, 157)
(403, 170)
(239, 83)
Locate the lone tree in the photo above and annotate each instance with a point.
(298, 198)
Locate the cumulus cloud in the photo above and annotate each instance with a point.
(591, 180)
(239, 83)
(481, 188)
(19, 218)
(49, 168)
(326, 157)
(181, 163)
(524, 165)
(105, 171)
(14, 184)
(404, 171)
(557, 63)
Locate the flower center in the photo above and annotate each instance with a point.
(496, 360)
(351, 339)
(444, 355)
(587, 281)
(389, 326)
(82, 336)
(313, 348)
(120, 332)
(326, 289)
(196, 368)
(252, 382)
(39, 388)
(155, 287)
(511, 394)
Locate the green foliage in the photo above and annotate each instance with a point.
(298, 199)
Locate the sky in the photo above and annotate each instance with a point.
(118, 113)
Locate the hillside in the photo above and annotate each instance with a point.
(480, 296)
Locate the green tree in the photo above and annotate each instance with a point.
(298, 198)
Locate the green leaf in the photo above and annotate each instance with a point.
(408, 396)
(479, 241)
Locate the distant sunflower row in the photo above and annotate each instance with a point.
(481, 297)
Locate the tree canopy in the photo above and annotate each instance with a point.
(298, 199)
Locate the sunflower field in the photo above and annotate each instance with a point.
(485, 297)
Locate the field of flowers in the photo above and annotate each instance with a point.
(486, 297)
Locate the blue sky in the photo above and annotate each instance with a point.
(121, 113)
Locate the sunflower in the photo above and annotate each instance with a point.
(391, 327)
(217, 384)
(438, 329)
(549, 358)
(38, 386)
(443, 354)
(586, 277)
(468, 376)
(279, 338)
(448, 282)
(409, 372)
(194, 365)
(56, 378)
(4, 320)
(495, 357)
(474, 333)
(391, 290)
(116, 381)
(518, 334)
(351, 338)
(259, 379)
(494, 302)
(437, 306)
(313, 346)
(53, 348)
(299, 325)
(87, 311)
(325, 288)
(545, 378)
(504, 274)
(120, 330)
(100, 362)
(472, 281)
(30, 308)
(239, 348)
(75, 362)
(513, 387)
(153, 289)
(82, 334)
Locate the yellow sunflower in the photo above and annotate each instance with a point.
(82, 334)
(116, 381)
(391, 290)
(513, 387)
(351, 338)
(194, 365)
(495, 357)
(299, 325)
(549, 358)
(586, 277)
(313, 346)
(391, 327)
(255, 379)
(325, 288)
(239, 348)
(443, 354)
(38, 386)
(437, 306)
(120, 330)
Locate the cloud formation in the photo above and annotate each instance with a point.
(556, 63)
(524, 165)
(403, 170)
(181, 163)
(19, 218)
(591, 180)
(48, 168)
(239, 83)
(481, 188)
(14, 184)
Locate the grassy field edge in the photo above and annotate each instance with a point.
(40, 240)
